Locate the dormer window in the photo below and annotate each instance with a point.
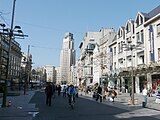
(128, 28)
(139, 20)
(120, 33)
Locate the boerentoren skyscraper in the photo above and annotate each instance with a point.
(67, 58)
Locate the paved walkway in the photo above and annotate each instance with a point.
(122, 101)
(20, 108)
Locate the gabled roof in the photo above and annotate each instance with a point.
(129, 21)
(149, 15)
(121, 28)
(154, 12)
(144, 14)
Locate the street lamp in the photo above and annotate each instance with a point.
(27, 70)
(130, 47)
(11, 33)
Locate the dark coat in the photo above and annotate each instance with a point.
(48, 90)
(99, 90)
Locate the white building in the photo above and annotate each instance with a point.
(137, 50)
(50, 73)
(102, 58)
(67, 58)
(90, 60)
(58, 77)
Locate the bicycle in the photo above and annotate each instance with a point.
(72, 101)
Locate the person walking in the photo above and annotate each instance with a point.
(49, 93)
(64, 91)
(59, 90)
(54, 90)
(99, 93)
(130, 91)
(144, 93)
(113, 95)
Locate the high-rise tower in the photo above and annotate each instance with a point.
(67, 58)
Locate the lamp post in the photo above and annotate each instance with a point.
(130, 47)
(27, 70)
(11, 33)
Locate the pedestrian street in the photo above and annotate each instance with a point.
(87, 109)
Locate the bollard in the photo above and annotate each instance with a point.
(143, 104)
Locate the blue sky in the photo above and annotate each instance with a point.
(46, 21)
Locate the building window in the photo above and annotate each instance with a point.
(138, 37)
(110, 49)
(91, 39)
(128, 28)
(91, 70)
(91, 60)
(119, 48)
(114, 50)
(158, 54)
(133, 29)
(141, 20)
(91, 80)
(142, 36)
(158, 29)
(142, 58)
(114, 65)
(119, 34)
(137, 22)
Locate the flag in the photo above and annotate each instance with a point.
(151, 39)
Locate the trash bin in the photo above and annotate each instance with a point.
(143, 104)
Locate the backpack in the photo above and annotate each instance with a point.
(72, 90)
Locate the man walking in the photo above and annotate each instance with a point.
(49, 93)
(145, 93)
(99, 93)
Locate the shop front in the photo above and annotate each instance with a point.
(155, 82)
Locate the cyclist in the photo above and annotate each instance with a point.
(71, 93)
